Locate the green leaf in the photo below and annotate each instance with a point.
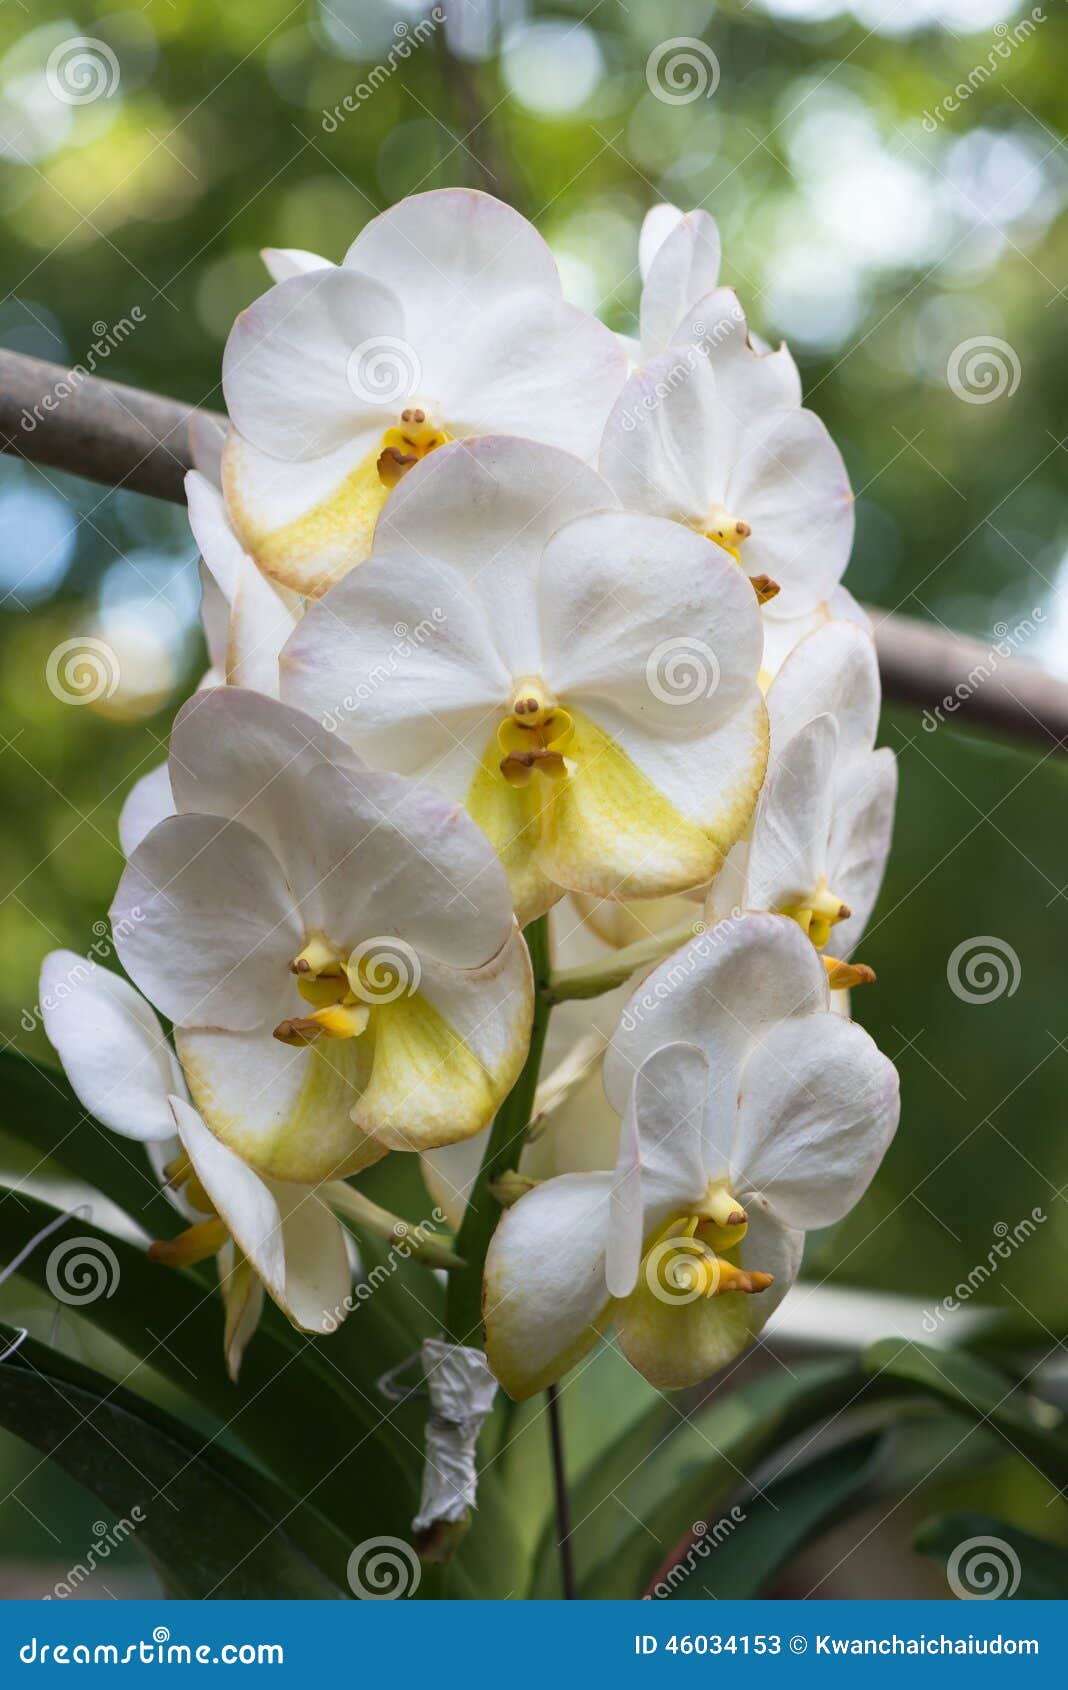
(324, 1433)
(192, 1507)
(38, 1106)
(672, 1469)
(1031, 1427)
(1042, 1566)
(741, 1553)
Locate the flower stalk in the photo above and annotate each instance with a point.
(463, 1307)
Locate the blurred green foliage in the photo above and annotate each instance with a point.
(875, 229)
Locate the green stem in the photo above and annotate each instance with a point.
(463, 1307)
(593, 980)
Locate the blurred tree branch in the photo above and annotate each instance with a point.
(124, 437)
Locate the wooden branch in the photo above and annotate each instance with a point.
(107, 432)
(124, 437)
(958, 680)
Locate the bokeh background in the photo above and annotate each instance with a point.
(871, 213)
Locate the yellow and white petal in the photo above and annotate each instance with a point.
(512, 819)
(544, 1292)
(285, 1110)
(444, 1059)
(306, 524)
(642, 817)
(679, 1339)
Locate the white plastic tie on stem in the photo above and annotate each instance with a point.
(461, 1390)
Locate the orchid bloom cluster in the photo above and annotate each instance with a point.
(506, 614)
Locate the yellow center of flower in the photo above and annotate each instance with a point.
(730, 532)
(817, 913)
(325, 980)
(413, 438)
(688, 1259)
(534, 735)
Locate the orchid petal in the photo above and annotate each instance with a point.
(544, 1288)
(148, 802)
(818, 1106)
(203, 922)
(112, 1047)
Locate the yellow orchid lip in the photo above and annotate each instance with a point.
(688, 1259)
(817, 913)
(534, 735)
(404, 445)
(323, 981)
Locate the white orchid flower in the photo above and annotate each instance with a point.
(709, 434)
(445, 320)
(586, 684)
(751, 1114)
(336, 948)
(263, 1233)
(820, 837)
